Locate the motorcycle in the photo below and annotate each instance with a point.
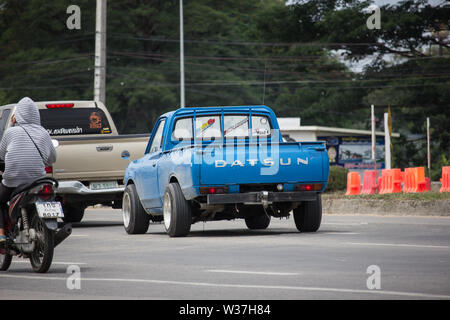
(31, 225)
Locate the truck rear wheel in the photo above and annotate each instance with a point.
(135, 218)
(176, 212)
(308, 215)
(73, 212)
(257, 219)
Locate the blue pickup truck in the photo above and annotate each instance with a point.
(223, 163)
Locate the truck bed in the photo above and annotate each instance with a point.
(101, 157)
(285, 162)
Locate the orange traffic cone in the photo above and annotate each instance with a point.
(353, 183)
(445, 180)
(370, 182)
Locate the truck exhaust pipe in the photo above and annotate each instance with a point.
(62, 234)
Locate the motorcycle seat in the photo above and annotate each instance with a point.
(27, 186)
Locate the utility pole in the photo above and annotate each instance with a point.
(374, 138)
(100, 52)
(387, 142)
(182, 102)
(428, 148)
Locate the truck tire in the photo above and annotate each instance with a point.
(308, 215)
(257, 219)
(176, 212)
(73, 212)
(135, 218)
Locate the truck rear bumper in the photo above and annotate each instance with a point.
(77, 188)
(261, 197)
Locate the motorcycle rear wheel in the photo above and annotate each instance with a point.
(42, 256)
(5, 261)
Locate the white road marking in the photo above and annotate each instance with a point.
(242, 286)
(398, 245)
(269, 273)
(338, 233)
(345, 223)
(79, 235)
(60, 263)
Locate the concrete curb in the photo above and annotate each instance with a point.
(387, 207)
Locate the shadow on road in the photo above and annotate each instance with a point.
(246, 233)
(96, 224)
(20, 267)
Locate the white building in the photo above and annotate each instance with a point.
(291, 128)
(350, 148)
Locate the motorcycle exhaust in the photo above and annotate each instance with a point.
(62, 234)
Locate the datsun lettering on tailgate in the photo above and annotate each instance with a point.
(223, 163)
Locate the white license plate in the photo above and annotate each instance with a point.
(49, 210)
(103, 185)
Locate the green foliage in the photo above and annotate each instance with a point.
(242, 52)
(436, 171)
(338, 179)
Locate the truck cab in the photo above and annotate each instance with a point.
(218, 163)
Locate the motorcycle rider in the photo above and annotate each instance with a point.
(26, 148)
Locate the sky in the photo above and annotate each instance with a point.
(383, 2)
(358, 66)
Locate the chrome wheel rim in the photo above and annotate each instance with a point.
(126, 209)
(167, 211)
(38, 254)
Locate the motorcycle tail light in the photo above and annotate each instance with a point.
(46, 192)
(49, 169)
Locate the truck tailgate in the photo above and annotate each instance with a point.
(96, 158)
(252, 163)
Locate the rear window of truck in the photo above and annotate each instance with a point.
(209, 127)
(74, 121)
(235, 126)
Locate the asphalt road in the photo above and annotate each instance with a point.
(224, 260)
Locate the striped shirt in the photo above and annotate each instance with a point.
(23, 162)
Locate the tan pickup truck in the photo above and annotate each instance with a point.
(89, 164)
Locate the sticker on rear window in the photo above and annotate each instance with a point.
(207, 124)
(95, 120)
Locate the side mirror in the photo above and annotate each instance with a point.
(125, 155)
(55, 143)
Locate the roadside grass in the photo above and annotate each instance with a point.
(424, 196)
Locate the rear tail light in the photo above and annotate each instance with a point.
(213, 190)
(49, 169)
(46, 192)
(309, 187)
(59, 105)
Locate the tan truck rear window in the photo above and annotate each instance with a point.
(74, 121)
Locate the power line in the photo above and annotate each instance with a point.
(262, 71)
(384, 76)
(48, 61)
(243, 43)
(45, 87)
(224, 58)
(256, 83)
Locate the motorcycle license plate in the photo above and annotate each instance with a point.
(49, 210)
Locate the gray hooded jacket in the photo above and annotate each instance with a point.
(23, 163)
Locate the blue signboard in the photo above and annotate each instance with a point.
(354, 152)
